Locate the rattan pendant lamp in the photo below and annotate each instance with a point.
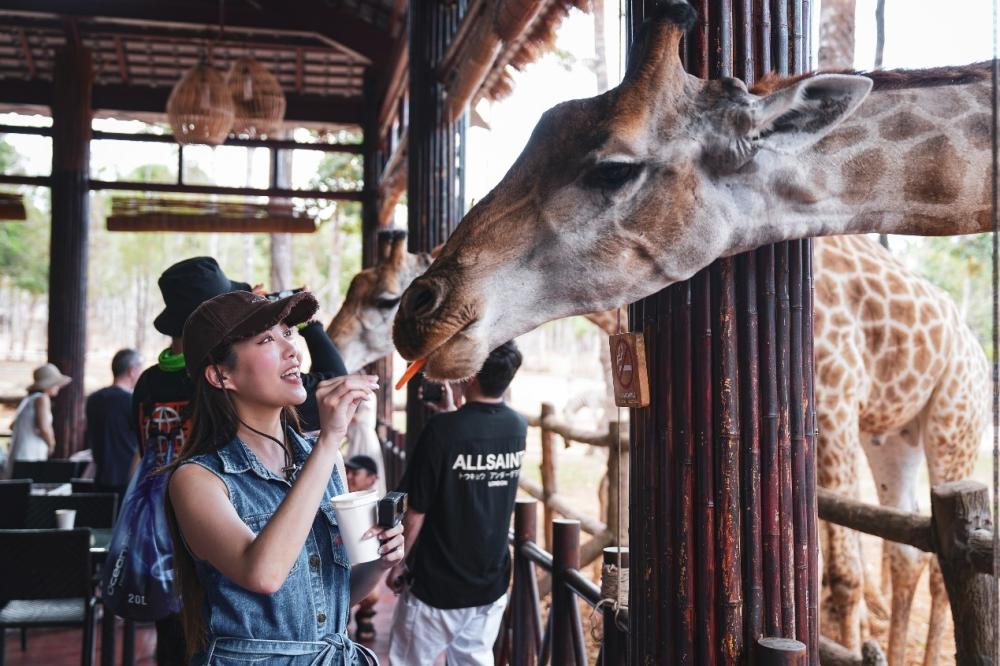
(200, 108)
(257, 97)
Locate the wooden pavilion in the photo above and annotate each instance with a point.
(402, 74)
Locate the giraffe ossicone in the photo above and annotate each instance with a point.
(618, 196)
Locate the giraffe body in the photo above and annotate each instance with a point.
(901, 377)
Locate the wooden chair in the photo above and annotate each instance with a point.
(14, 503)
(97, 510)
(48, 471)
(46, 581)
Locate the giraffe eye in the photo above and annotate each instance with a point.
(611, 176)
(386, 303)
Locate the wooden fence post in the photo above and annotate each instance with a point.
(780, 652)
(526, 638)
(567, 632)
(548, 469)
(615, 649)
(617, 515)
(957, 509)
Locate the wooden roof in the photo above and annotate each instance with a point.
(320, 50)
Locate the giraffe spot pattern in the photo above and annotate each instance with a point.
(903, 125)
(937, 173)
(861, 173)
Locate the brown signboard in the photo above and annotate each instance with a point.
(628, 370)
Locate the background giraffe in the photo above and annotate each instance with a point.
(900, 376)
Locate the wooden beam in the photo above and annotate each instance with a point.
(888, 523)
(339, 27)
(204, 223)
(122, 60)
(298, 70)
(129, 186)
(29, 60)
(273, 144)
(305, 108)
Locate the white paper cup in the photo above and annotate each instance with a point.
(65, 518)
(355, 516)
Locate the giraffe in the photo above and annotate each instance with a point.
(654, 180)
(361, 328)
(895, 406)
(901, 377)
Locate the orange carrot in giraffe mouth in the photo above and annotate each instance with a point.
(410, 372)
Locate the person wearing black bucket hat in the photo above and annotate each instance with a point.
(161, 400)
(260, 562)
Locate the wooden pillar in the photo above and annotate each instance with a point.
(723, 500)
(67, 334)
(434, 189)
(370, 213)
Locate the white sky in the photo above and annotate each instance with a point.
(919, 33)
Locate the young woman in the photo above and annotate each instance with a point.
(262, 569)
(32, 437)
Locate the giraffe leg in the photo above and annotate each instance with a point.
(895, 459)
(956, 419)
(837, 451)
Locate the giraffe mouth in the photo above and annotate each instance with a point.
(457, 357)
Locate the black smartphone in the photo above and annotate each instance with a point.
(433, 391)
(278, 295)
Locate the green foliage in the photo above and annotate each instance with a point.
(24, 246)
(960, 265)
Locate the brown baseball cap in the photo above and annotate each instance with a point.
(237, 316)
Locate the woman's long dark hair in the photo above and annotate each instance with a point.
(214, 423)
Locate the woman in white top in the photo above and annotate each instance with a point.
(32, 437)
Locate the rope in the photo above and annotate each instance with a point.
(614, 596)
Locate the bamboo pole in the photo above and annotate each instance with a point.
(750, 431)
(770, 470)
(727, 420)
(665, 545)
(780, 652)
(811, 486)
(785, 443)
(799, 452)
(685, 450)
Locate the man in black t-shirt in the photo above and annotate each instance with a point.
(462, 481)
(109, 434)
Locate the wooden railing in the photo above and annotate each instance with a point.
(524, 638)
(959, 532)
(603, 534)
(393, 456)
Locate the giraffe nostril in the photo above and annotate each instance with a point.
(421, 300)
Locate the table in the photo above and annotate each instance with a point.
(51, 489)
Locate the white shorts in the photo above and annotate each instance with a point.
(420, 633)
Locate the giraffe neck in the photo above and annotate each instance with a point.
(909, 161)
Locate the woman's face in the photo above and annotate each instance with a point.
(267, 369)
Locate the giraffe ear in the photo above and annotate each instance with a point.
(792, 119)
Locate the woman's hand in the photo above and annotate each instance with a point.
(391, 548)
(337, 400)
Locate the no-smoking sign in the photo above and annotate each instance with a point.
(628, 370)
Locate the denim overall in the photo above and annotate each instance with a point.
(305, 622)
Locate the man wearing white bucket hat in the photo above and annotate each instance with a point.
(32, 437)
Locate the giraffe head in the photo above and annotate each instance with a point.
(613, 198)
(362, 328)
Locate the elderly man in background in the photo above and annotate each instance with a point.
(109, 434)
